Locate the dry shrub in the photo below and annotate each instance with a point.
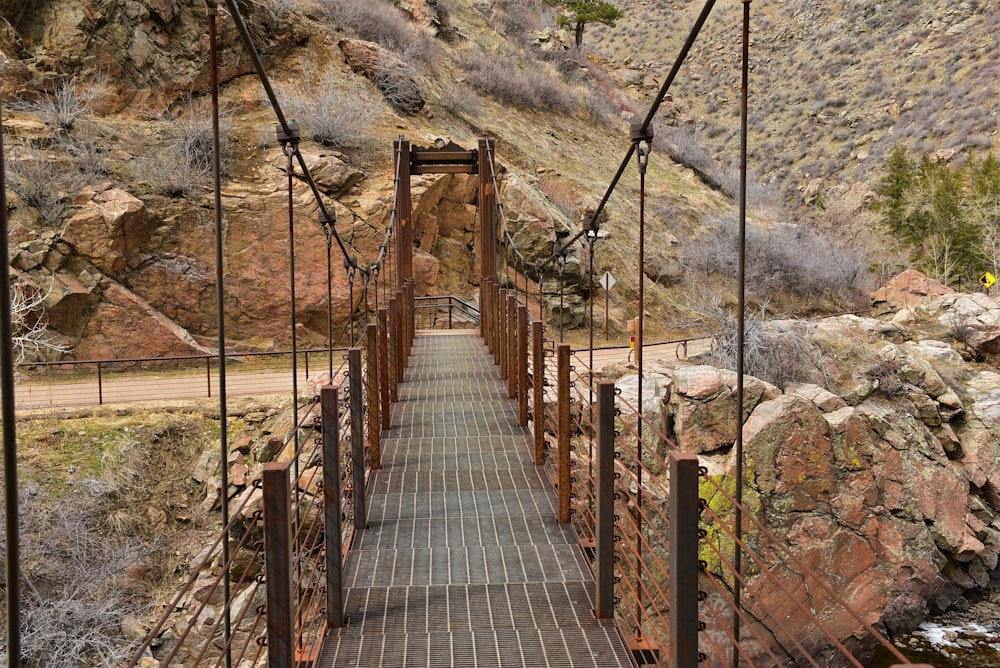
(783, 258)
(334, 114)
(381, 22)
(517, 82)
(774, 351)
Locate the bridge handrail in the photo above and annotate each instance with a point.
(642, 527)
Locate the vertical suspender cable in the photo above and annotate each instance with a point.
(642, 139)
(289, 146)
(13, 531)
(740, 334)
(329, 302)
(213, 11)
(591, 238)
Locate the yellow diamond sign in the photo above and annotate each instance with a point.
(988, 279)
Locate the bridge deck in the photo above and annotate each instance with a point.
(464, 563)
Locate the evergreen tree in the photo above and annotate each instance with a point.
(578, 13)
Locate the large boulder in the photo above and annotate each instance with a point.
(910, 288)
(700, 411)
(109, 230)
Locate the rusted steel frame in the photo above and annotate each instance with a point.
(512, 363)
(522, 365)
(503, 322)
(604, 538)
(393, 349)
(498, 307)
(413, 317)
(383, 366)
(487, 211)
(357, 438)
(404, 210)
(277, 490)
(330, 411)
(407, 319)
(538, 388)
(398, 336)
(683, 540)
(485, 324)
(562, 383)
(374, 414)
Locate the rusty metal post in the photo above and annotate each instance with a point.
(371, 376)
(484, 314)
(407, 323)
(330, 413)
(357, 438)
(502, 332)
(397, 333)
(277, 489)
(604, 595)
(683, 537)
(538, 388)
(511, 344)
(487, 210)
(496, 316)
(394, 376)
(383, 366)
(522, 366)
(412, 306)
(404, 211)
(562, 382)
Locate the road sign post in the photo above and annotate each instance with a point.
(607, 282)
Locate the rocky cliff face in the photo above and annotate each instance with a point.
(885, 482)
(126, 255)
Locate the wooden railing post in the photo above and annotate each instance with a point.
(683, 537)
(357, 438)
(277, 491)
(511, 344)
(383, 366)
(538, 388)
(605, 530)
(330, 412)
(522, 366)
(371, 376)
(562, 382)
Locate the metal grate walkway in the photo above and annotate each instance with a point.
(464, 563)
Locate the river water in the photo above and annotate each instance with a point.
(942, 644)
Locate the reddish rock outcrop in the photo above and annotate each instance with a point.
(123, 324)
(908, 289)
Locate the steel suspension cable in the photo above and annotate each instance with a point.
(643, 144)
(289, 151)
(646, 123)
(213, 12)
(12, 521)
(329, 302)
(741, 325)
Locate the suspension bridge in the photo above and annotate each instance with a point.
(480, 496)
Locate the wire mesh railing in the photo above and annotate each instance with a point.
(445, 312)
(791, 613)
(98, 382)
(290, 531)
